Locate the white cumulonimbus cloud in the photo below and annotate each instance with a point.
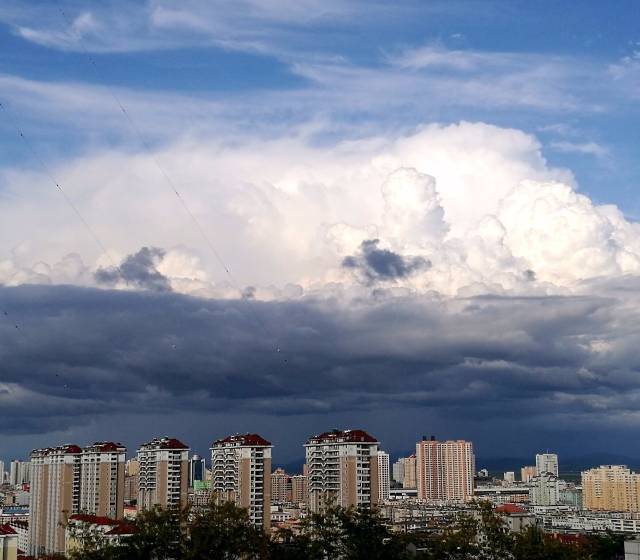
(460, 209)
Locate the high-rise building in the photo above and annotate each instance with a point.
(544, 490)
(384, 480)
(163, 475)
(102, 468)
(68, 480)
(611, 488)
(55, 495)
(132, 467)
(509, 477)
(410, 472)
(19, 472)
(241, 473)
(342, 469)
(2, 472)
(281, 487)
(398, 471)
(445, 470)
(527, 473)
(131, 476)
(547, 462)
(196, 470)
(299, 492)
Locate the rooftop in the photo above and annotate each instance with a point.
(164, 443)
(342, 436)
(252, 440)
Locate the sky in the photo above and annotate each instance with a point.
(283, 217)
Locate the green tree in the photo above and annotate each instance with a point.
(224, 532)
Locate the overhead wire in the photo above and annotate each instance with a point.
(167, 178)
(147, 147)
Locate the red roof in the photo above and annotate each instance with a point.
(7, 530)
(245, 439)
(509, 509)
(165, 443)
(121, 529)
(106, 446)
(93, 519)
(346, 436)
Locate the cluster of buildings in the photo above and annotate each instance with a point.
(66, 487)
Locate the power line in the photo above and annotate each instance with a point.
(145, 143)
(45, 169)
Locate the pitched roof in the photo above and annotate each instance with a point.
(243, 439)
(343, 436)
(7, 529)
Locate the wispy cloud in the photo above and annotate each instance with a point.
(586, 148)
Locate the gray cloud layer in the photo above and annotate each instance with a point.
(85, 354)
(138, 270)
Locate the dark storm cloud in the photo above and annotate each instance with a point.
(376, 264)
(84, 353)
(139, 270)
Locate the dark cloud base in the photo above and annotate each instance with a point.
(81, 355)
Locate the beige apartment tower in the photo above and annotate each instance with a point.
(611, 488)
(67, 480)
(342, 469)
(55, 495)
(281, 487)
(163, 474)
(241, 473)
(445, 470)
(102, 467)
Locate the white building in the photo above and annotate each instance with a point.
(547, 462)
(19, 473)
(384, 481)
(544, 490)
(398, 471)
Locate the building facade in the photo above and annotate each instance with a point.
(281, 487)
(197, 469)
(55, 495)
(384, 479)
(19, 472)
(241, 473)
(163, 474)
(611, 488)
(527, 473)
(342, 467)
(547, 462)
(299, 489)
(445, 470)
(544, 490)
(102, 467)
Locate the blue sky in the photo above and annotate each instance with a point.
(396, 187)
(557, 62)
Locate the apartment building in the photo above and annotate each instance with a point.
(384, 478)
(445, 470)
(55, 495)
(547, 462)
(102, 470)
(241, 473)
(281, 487)
(611, 488)
(342, 469)
(163, 473)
